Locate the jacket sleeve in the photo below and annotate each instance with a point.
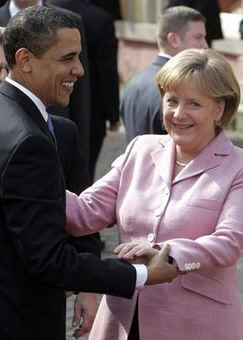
(95, 208)
(34, 214)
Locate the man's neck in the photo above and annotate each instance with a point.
(164, 53)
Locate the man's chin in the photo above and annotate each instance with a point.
(62, 103)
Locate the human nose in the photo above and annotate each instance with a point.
(178, 112)
(78, 69)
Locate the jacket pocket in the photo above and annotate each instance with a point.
(207, 287)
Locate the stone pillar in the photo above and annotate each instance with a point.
(142, 10)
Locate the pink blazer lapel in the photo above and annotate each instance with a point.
(164, 157)
(210, 157)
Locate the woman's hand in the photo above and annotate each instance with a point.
(135, 251)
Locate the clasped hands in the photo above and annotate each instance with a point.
(157, 261)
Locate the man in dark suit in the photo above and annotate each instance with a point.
(102, 57)
(78, 109)
(178, 28)
(74, 171)
(37, 260)
(210, 10)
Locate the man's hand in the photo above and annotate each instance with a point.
(85, 309)
(159, 269)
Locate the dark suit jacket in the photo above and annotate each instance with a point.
(141, 102)
(210, 10)
(111, 6)
(79, 109)
(37, 262)
(75, 172)
(102, 56)
(71, 155)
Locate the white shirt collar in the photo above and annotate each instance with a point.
(32, 96)
(13, 9)
(162, 54)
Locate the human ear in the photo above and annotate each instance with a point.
(220, 109)
(173, 39)
(23, 59)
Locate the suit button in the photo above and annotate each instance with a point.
(150, 237)
(186, 266)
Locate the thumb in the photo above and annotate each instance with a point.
(165, 251)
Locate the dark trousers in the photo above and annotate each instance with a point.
(134, 331)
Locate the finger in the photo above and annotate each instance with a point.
(165, 251)
(119, 248)
(146, 252)
(131, 253)
(77, 315)
(79, 332)
(126, 250)
(84, 328)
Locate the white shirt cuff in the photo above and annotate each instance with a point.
(142, 275)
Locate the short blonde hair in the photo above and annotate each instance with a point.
(210, 71)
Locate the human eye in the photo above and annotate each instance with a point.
(68, 58)
(194, 104)
(171, 101)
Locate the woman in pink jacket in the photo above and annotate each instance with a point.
(185, 189)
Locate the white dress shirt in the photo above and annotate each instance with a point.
(31, 95)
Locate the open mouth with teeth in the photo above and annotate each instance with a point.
(68, 85)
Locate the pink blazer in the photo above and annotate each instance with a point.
(199, 213)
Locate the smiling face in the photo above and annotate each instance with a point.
(189, 117)
(51, 77)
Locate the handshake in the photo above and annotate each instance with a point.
(161, 267)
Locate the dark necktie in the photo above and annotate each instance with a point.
(51, 129)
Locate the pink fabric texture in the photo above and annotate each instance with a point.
(199, 213)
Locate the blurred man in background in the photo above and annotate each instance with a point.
(178, 28)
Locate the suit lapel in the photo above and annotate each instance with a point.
(210, 157)
(28, 105)
(163, 157)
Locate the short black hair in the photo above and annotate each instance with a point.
(35, 28)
